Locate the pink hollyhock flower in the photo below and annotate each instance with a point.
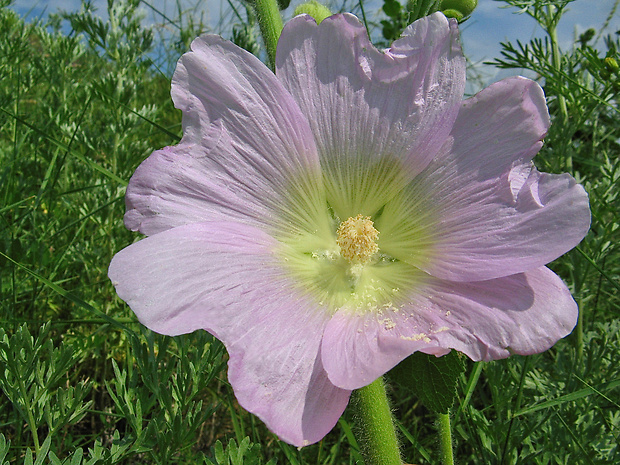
(330, 220)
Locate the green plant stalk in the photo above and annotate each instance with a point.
(517, 405)
(361, 4)
(555, 51)
(557, 66)
(31, 423)
(579, 331)
(469, 389)
(445, 439)
(553, 34)
(270, 22)
(374, 430)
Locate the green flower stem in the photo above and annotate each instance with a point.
(270, 22)
(374, 426)
(445, 439)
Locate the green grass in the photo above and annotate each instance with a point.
(82, 382)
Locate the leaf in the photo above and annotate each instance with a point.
(570, 397)
(4, 449)
(432, 379)
(45, 448)
(246, 453)
(392, 8)
(28, 459)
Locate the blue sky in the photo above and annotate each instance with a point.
(489, 25)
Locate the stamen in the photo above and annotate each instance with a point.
(357, 239)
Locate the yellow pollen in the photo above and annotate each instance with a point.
(357, 239)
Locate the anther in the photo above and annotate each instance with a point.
(357, 239)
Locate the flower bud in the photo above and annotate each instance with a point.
(458, 9)
(587, 36)
(315, 9)
(612, 65)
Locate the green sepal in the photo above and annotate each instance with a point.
(420, 8)
(431, 379)
(315, 9)
(450, 13)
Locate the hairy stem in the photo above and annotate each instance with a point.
(375, 429)
(270, 22)
(445, 439)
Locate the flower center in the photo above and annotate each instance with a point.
(357, 239)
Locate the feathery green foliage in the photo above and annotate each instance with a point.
(84, 101)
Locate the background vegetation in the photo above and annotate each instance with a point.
(83, 102)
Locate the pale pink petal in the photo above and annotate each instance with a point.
(359, 348)
(521, 314)
(244, 140)
(173, 187)
(366, 106)
(487, 212)
(223, 277)
(487, 320)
